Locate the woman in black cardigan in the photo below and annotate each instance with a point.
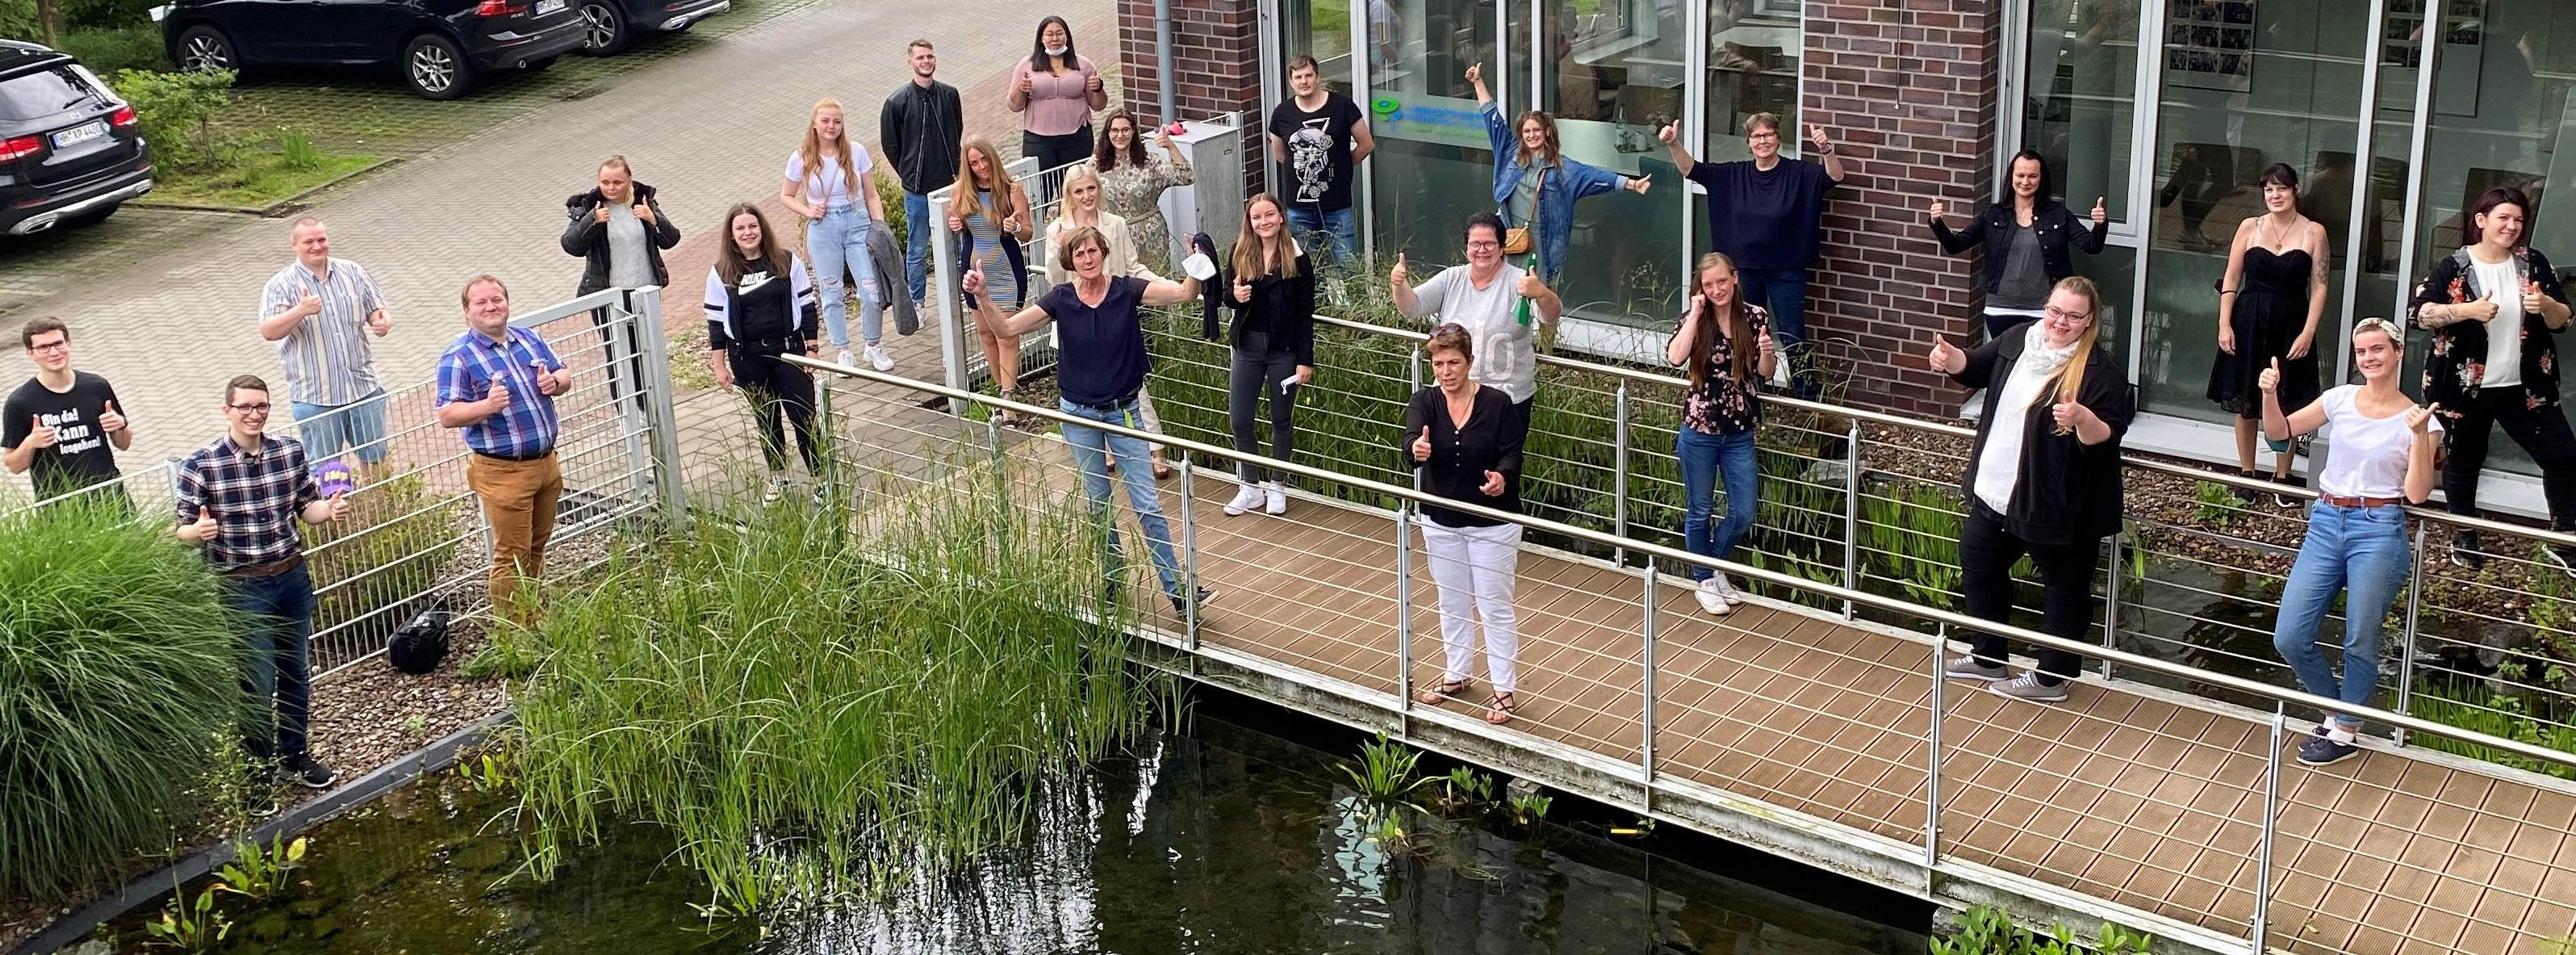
(2043, 480)
(1466, 440)
(1273, 345)
(619, 231)
(2026, 233)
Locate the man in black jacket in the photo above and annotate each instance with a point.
(919, 131)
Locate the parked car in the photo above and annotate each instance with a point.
(440, 46)
(70, 151)
(608, 26)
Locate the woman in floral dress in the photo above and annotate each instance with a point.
(1132, 181)
(1726, 345)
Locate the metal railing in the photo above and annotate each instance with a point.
(2173, 815)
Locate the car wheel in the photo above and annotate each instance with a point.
(604, 30)
(203, 47)
(435, 68)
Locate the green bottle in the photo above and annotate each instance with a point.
(1523, 313)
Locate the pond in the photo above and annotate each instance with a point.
(1224, 839)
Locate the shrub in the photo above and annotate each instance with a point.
(890, 189)
(177, 111)
(295, 151)
(118, 663)
(108, 51)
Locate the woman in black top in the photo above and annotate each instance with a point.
(1273, 297)
(2026, 233)
(2043, 480)
(761, 305)
(619, 231)
(1466, 441)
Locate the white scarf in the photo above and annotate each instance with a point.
(2038, 360)
(1999, 465)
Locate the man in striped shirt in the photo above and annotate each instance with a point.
(320, 311)
(498, 385)
(238, 500)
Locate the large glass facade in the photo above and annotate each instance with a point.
(1615, 71)
(1433, 167)
(2079, 96)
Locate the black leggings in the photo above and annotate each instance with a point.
(1987, 551)
(1256, 373)
(773, 386)
(2541, 431)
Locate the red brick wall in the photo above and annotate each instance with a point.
(1218, 58)
(1908, 90)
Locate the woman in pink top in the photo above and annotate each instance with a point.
(1055, 90)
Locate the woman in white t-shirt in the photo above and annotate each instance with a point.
(832, 182)
(2381, 459)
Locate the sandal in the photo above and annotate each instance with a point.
(1162, 469)
(1499, 710)
(1443, 691)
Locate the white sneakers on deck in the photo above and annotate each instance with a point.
(1274, 497)
(878, 359)
(1269, 497)
(844, 358)
(1717, 596)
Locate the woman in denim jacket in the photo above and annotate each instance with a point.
(1534, 179)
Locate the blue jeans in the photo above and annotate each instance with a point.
(1705, 459)
(279, 654)
(916, 250)
(838, 242)
(1316, 228)
(329, 430)
(1092, 449)
(1784, 293)
(2361, 550)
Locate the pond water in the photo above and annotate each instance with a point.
(1223, 840)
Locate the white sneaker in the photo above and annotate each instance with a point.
(1710, 600)
(845, 357)
(879, 360)
(1246, 498)
(1726, 590)
(777, 489)
(1274, 498)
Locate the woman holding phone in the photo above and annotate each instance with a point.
(1726, 345)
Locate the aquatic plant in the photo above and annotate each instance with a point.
(1385, 771)
(1529, 808)
(1465, 787)
(186, 926)
(118, 664)
(487, 772)
(258, 872)
(1989, 930)
(821, 704)
(2215, 504)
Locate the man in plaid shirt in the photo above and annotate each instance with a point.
(497, 383)
(238, 499)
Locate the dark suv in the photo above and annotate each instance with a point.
(612, 24)
(439, 45)
(70, 152)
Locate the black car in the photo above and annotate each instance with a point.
(609, 25)
(439, 45)
(70, 152)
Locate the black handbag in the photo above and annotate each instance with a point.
(419, 645)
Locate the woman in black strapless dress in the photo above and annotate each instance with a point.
(2268, 306)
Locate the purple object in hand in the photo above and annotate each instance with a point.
(335, 477)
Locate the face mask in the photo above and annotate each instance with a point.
(1055, 50)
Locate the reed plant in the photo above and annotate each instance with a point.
(824, 705)
(118, 664)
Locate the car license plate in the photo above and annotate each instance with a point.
(80, 134)
(549, 6)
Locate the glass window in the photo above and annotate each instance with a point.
(1614, 74)
(1433, 166)
(2245, 85)
(2079, 96)
(1752, 68)
(1320, 29)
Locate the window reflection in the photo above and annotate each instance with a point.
(1752, 68)
(1615, 74)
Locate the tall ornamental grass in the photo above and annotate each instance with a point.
(824, 705)
(118, 665)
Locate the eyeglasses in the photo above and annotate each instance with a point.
(1766, 134)
(260, 408)
(2058, 314)
(50, 346)
(1484, 245)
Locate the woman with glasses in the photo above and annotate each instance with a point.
(1726, 345)
(1132, 181)
(2043, 480)
(1083, 197)
(1466, 441)
(1271, 346)
(1496, 302)
(2356, 544)
(1764, 213)
(2268, 307)
(1535, 183)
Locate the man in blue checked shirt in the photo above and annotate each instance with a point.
(498, 383)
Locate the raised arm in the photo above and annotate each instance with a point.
(1161, 292)
(1677, 350)
(1954, 243)
(1671, 134)
(2420, 470)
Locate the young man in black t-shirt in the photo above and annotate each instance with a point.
(1322, 136)
(57, 428)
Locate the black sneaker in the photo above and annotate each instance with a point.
(2244, 495)
(2289, 501)
(1182, 607)
(2465, 552)
(307, 772)
(2320, 750)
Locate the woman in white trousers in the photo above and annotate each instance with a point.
(1466, 441)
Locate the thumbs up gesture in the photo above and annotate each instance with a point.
(1422, 444)
(111, 421)
(339, 507)
(42, 435)
(499, 395)
(2532, 298)
(1396, 275)
(1530, 286)
(2070, 416)
(2270, 379)
(1944, 358)
(2101, 212)
(1936, 210)
(380, 323)
(202, 529)
(1768, 348)
(2418, 415)
(1670, 134)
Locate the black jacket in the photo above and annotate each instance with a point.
(920, 131)
(1286, 306)
(1993, 227)
(2455, 367)
(586, 237)
(1459, 458)
(2067, 491)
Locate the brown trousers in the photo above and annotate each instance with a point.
(519, 503)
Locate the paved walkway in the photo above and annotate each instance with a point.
(706, 130)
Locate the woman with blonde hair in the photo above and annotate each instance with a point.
(989, 212)
(1082, 209)
(2043, 480)
(832, 182)
(1725, 343)
(1273, 346)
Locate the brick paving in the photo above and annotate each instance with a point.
(707, 130)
